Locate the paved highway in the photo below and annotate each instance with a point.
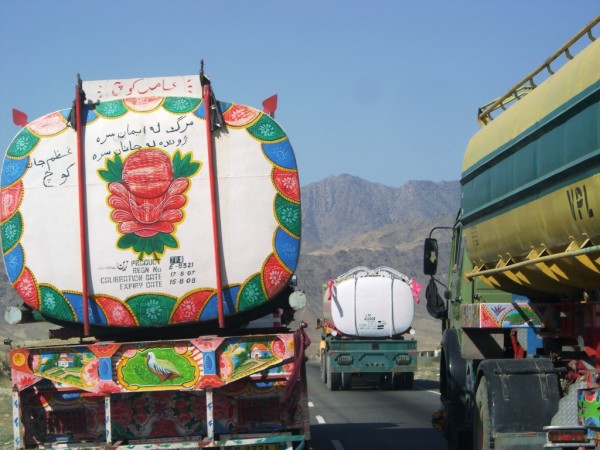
(369, 418)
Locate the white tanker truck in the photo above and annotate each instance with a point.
(366, 316)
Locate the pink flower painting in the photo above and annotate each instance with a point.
(147, 197)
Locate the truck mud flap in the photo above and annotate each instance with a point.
(523, 397)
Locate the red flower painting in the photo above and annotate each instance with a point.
(147, 194)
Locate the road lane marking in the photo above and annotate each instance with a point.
(320, 419)
(337, 445)
(427, 390)
(311, 404)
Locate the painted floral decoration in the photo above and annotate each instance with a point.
(147, 194)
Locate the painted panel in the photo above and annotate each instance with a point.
(588, 409)
(507, 315)
(169, 365)
(150, 237)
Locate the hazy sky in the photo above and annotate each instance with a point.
(384, 90)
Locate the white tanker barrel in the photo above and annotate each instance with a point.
(370, 303)
(147, 224)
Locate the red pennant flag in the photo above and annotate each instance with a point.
(270, 105)
(19, 117)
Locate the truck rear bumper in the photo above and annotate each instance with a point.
(372, 356)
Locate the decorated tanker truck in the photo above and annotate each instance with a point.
(521, 339)
(367, 317)
(152, 223)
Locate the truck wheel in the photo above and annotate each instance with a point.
(333, 379)
(403, 380)
(482, 430)
(387, 381)
(397, 379)
(457, 439)
(323, 369)
(346, 381)
(408, 379)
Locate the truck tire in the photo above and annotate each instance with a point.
(334, 379)
(402, 380)
(323, 369)
(346, 381)
(397, 380)
(482, 429)
(453, 369)
(387, 381)
(457, 438)
(408, 379)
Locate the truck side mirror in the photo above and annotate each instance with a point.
(430, 256)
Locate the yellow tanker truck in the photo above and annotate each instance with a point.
(520, 362)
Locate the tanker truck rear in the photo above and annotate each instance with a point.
(520, 363)
(153, 223)
(367, 316)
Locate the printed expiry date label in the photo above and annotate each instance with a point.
(134, 274)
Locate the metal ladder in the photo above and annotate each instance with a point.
(527, 84)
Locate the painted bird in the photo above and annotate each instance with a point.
(162, 368)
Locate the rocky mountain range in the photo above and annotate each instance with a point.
(341, 208)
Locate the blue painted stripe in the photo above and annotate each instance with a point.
(14, 261)
(281, 154)
(211, 309)
(95, 314)
(287, 248)
(13, 170)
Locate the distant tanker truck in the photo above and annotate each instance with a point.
(520, 362)
(366, 316)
